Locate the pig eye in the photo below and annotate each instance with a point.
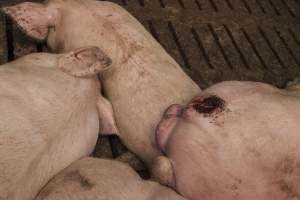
(209, 105)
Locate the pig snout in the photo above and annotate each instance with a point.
(167, 124)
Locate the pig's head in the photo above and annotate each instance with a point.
(68, 24)
(234, 141)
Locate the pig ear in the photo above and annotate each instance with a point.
(84, 62)
(33, 18)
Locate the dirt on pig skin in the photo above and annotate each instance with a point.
(237, 140)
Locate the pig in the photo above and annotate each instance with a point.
(235, 140)
(91, 178)
(49, 117)
(143, 80)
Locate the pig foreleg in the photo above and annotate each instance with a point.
(107, 121)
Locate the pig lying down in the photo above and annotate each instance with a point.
(143, 80)
(96, 179)
(48, 117)
(237, 140)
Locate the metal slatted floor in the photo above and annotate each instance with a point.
(213, 41)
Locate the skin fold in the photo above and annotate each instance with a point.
(97, 179)
(48, 117)
(143, 80)
(237, 140)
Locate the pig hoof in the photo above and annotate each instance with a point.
(84, 62)
(162, 171)
(293, 85)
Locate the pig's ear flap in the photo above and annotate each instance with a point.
(33, 18)
(84, 62)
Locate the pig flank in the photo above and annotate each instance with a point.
(91, 178)
(247, 150)
(48, 119)
(143, 80)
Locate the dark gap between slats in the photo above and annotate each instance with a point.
(288, 8)
(124, 2)
(10, 39)
(212, 3)
(182, 53)
(297, 2)
(247, 6)
(287, 46)
(198, 4)
(260, 6)
(153, 30)
(162, 3)
(181, 3)
(142, 3)
(254, 48)
(201, 47)
(274, 7)
(237, 47)
(229, 4)
(294, 37)
(264, 35)
(217, 40)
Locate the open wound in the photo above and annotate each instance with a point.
(210, 105)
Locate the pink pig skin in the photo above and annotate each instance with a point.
(237, 140)
(97, 179)
(48, 117)
(143, 80)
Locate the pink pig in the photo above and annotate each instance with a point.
(143, 80)
(48, 117)
(236, 140)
